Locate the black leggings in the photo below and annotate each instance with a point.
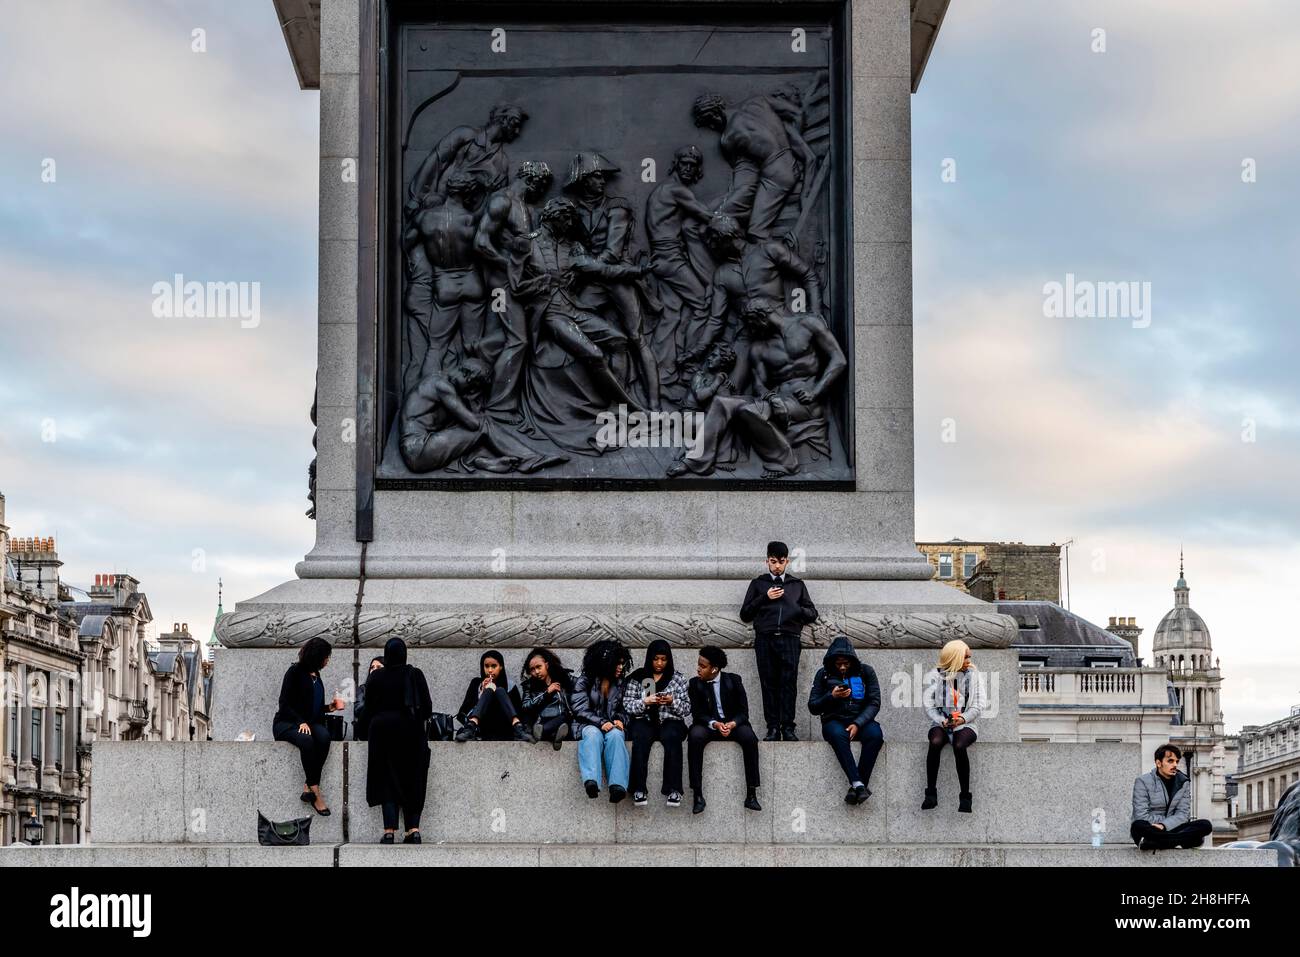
(314, 747)
(962, 739)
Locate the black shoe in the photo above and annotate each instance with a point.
(851, 797)
(412, 838)
(306, 797)
(675, 799)
(751, 801)
(386, 839)
(963, 802)
(640, 798)
(537, 733)
(561, 733)
(616, 793)
(858, 794)
(931, 799)
(522, 734)
(467, 733)
(593, 789)
(772, 735)
(1150, 845)
(324, 813)
(698, 806)
(789, 735)
(1192, 842)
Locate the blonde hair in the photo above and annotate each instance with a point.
(953, 656)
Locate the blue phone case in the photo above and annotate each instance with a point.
(858, 689)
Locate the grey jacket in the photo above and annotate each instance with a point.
(970, 697)
(1151, 801)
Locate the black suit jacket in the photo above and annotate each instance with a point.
(734, 700)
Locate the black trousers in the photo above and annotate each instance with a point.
(313, 748)
(551, 726)
(872, 739)
(1191, 834)
(778, 678)
(390, 816)
(495, 713)
(700, 735)
(670, 734)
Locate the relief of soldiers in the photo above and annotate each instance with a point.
(503, 242)
(789, 367)
(758, 138)
(441, 422)
(674, 221)
(471, 151)
(745, 271)
(456, 320)
(608, 223)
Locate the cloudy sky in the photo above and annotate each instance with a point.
(176, 449)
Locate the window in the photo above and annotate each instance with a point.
(1103, 664)
(1272, 794)
(58, 740)
(14, 733)
(945, 564)
(38, 743)
(1250, 799)
(968, 562)
(1031, 663)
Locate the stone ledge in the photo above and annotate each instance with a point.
(641, 855)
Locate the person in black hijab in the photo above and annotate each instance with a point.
(491, 709)
(398, 706)
(657, 700)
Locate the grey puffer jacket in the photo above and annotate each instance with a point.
(971, 700)
(1152, 803)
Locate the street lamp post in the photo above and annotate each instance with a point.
(32, 831)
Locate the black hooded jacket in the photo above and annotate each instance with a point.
(783, 616)
(822, 702)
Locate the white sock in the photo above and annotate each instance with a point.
(856, 784)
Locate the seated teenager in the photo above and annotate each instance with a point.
(954, 699)
(490, 711)
(658, 701)
(1162, 806)
(846, 695)
(719, 712)
(544, 689)
(600, 719)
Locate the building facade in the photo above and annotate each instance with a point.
(1269, 764)
(997, 571)
(44, 761)
(1181, 645)
(78, 667)
(1081, 683)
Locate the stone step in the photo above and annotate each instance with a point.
(507, 793)
(247, 684)
(637, 855)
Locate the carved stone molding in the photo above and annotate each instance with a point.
(262, 629)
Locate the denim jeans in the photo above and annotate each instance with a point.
(608, 748)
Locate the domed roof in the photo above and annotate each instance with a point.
(1181, 627)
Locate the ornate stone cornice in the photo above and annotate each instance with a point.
(267, 629)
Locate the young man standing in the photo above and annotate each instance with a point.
(779, 606)
(1162, 806)
(720, 712)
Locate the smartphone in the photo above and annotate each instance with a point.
(857, 687)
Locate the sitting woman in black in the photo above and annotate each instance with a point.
(490, 711)
(397, 772)
(300, 719)
(545, 686)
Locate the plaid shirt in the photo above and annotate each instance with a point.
(680, 710)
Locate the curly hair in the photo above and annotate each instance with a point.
(554, 667)
(602, 659)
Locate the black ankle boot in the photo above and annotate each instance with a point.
(963, 802)
(931, 799)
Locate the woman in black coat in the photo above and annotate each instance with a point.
(397, 709)
(300, 719)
